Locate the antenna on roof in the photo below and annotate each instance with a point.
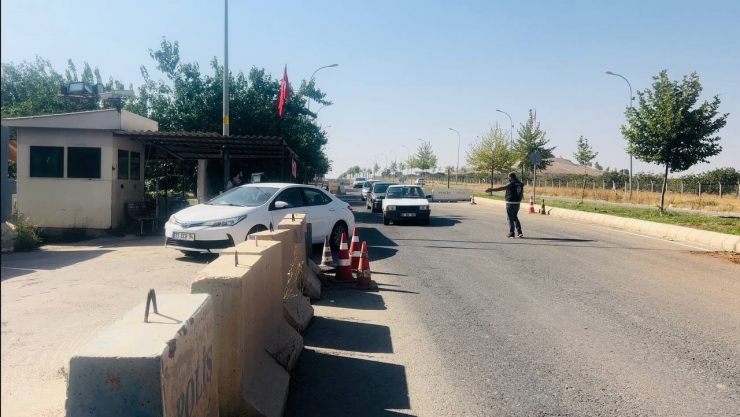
(81, 90)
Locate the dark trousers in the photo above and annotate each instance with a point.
(512, 213)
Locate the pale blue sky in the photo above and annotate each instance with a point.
(413, 69)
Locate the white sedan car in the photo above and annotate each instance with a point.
(229, 218)
(405, 203)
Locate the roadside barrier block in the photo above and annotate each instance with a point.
(224, 282)
(297, 229)
(167, 367)
(312, 284)
(285, 345)
(298, 312)
(268, 391)
(731, 243)
(313, 267)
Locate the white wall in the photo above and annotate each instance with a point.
(131, 121)
(63, 202)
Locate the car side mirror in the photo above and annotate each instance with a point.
(281, 205)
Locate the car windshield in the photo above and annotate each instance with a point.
(359, 179)
(244, 197)
(380, 188)
(405, 192)
(368, 184)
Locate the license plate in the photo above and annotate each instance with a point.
(184, 236)
(408, 214)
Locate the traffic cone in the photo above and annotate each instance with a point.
(327, 261)
(354, 250)
(344, 269)
(364, 278)
(531, 205)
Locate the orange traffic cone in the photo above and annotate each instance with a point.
(531, 205)
(364, 278)
(327, 261)
(344, 270)
(354, 250)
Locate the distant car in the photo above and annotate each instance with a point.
(366, 188)
(421, 181)
(406, 203)
(232, 216)
(376, 196)
(359, 182)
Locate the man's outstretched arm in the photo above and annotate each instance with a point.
(502, 188)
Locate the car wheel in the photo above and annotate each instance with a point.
(386, 221)
(335, 239)
(190, 253)
(255, 229)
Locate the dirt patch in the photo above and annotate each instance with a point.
(728, 256)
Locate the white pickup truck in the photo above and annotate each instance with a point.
(359, 182)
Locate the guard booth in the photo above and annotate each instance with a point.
(218, 158)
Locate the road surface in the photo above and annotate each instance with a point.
(572, 320)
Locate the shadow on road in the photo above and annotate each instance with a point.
(328, 385)
(343, 296)
(348, 335)
(204, 258)
(17, 264)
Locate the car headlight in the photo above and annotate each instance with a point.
(423, 208)
(390, 208)
(224, 222)
(172, 219)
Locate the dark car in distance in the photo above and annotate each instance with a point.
(374, 200)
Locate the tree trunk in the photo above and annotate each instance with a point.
(583, 191)
(491, 178)
(663, 189)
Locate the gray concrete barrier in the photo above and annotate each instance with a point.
(166, 367)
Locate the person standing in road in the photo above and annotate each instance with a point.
(514, 193)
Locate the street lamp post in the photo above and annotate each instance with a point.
(308, 102)
(317, 111)
(511, 131)
(225, 115)
(457, 169)
(631, 99)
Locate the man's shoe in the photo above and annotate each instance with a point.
(510, 236)
(520, 234)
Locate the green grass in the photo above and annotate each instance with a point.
(711, 223)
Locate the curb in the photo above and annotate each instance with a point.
(719, 241)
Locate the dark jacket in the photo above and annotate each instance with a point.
(514, 191)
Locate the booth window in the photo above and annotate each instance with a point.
(47, 161)
(135, 166)
(83, 162)
(122, 164)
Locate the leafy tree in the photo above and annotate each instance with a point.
(424, 159)
(393, 168)
(32, 89)
(598, 166)
(402, 166)
(491, 152)
(532, 138)
(376, 168)
(584, 155)
(666, 129)
(12, 170)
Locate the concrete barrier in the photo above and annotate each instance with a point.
(714, 240)
(296, 225)
(450, 194)
(167, 367)
(247, 305)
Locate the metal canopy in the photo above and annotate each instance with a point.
(201, 145)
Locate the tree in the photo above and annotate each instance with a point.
(532, 138)
(424, 159)
(491, 152)
(376, 168)
(402, 166)
(393, 167)
(584, 155)
(598, 166)
(666, 129)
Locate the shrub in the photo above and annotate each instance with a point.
(27, 235)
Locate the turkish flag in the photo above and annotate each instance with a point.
(284, 92)
(295, 169)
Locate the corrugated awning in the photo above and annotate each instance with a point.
(201, 145)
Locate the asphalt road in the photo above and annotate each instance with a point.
(572, 320)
